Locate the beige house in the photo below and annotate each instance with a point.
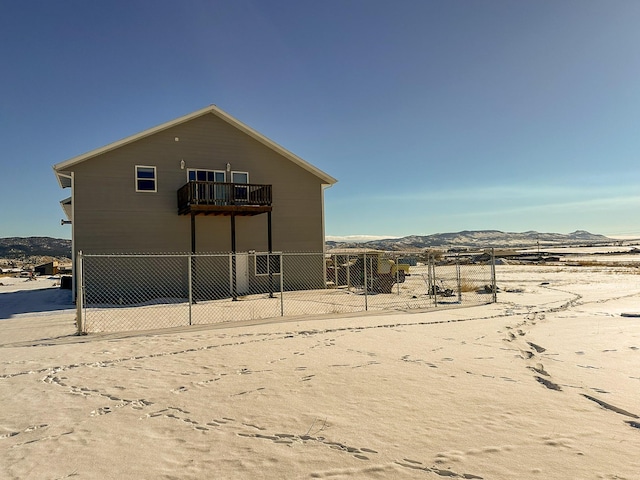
(204, 182)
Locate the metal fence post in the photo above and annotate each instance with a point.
(398, 273)
(494, 287)
(230, 276)
(435, 282)
(234, 273)
(335, 271)
(366, 303)
(281, 285)
(190, 285)
(270, 270)
(80, 323)
(429, 278)
(458, 277)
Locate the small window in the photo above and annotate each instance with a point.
(268, 263)
(145, 179)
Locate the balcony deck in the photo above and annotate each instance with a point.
(214, 198)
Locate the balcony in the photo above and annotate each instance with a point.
(214, 198)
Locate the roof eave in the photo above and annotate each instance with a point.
(326, 179)
(132, 138)
(67, 208)
(64, 180)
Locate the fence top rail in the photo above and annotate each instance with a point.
(182, 255)
(371, 253)
(134, 255)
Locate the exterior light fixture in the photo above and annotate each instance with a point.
(228, 167)
(182, 164)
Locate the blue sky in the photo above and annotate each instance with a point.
(435, 116)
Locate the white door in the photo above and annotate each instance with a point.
(242, 274)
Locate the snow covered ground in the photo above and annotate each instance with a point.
(40, 295)
(543, 384)
(603, 254)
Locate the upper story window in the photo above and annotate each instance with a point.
(205, 175)
(146, 179)
(239, 177)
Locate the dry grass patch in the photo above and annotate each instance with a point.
(469, 286)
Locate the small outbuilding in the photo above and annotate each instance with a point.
(50, 268)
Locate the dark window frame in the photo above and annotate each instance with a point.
(264, 267)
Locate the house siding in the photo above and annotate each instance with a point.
(111, 217)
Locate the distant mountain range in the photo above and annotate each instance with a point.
(478, 239)
(21, 247)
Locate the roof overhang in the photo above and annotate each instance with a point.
(63, 179)
(212, 109)
(66, 206)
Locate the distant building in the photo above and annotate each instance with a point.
(50, 268)
(10, 270)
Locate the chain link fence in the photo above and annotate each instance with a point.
(152, 291)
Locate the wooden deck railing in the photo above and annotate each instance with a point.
(197, 193)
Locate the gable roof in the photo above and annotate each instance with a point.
(211, 109)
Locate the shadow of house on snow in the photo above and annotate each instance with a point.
(35, 302)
